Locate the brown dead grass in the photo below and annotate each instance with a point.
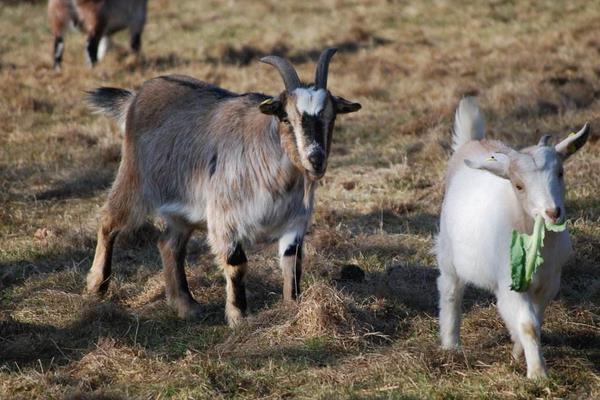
(322, 313)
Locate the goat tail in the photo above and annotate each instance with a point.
(113, 102)
(469, 123)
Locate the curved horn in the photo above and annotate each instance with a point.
(544, 140)
(323, 68)
(508, 151)
(286, 70)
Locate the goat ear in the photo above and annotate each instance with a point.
(343, 106)
(569, 146)
(270, 106)
(496, 163)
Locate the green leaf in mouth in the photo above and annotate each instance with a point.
(526, 252)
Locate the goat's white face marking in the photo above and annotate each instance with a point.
(310, 100)
(311, 115)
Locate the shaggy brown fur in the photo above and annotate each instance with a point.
(245, 164)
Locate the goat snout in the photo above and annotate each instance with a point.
(553, 213)
(317, 160)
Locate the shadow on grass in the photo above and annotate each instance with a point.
(588, 207)
(386, 221)
(77, 253)
(580, 274)
(23, 344)
(564, 344)
(317, 351)
(82, 185)
(248, 54)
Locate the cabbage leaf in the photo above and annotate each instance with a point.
(526, 252)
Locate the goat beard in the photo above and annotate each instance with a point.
(309, 190)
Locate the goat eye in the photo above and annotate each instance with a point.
(560, 174)
(519, 187)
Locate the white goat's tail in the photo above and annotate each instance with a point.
(468, 123)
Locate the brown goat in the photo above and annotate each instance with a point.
(246, 164)
(98, 19)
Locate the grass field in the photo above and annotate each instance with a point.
(536, 69)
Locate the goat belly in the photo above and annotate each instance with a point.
(267, 222)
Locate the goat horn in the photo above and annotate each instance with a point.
(544, 140)
(323, 68)
(507, 151)
(286, 70)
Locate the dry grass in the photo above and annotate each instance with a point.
(534, 66)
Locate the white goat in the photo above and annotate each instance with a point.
(486, 199)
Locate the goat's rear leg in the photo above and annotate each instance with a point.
(451, 291)
(135, 41)
(58, 17)
(172, 246)
(135, 37)
(98, 277)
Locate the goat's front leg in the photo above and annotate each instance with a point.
(91, 48)
(103, 46)
(522, 321)
(290, 253)
(172, 246)
(234, 267)
(59, 48)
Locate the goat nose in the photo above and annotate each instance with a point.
(553, 213)
(317, 160)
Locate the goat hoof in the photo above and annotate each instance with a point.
(537, 373)
(450, 345)
(188, 309)
(234, 317)
(96, 286)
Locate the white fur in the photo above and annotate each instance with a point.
(59, 49)
(310, 100)
(103, 46)
(314, 146)
(308, 149)
(193, 214)
(468, 123)
(287, 240)
(479, 213)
